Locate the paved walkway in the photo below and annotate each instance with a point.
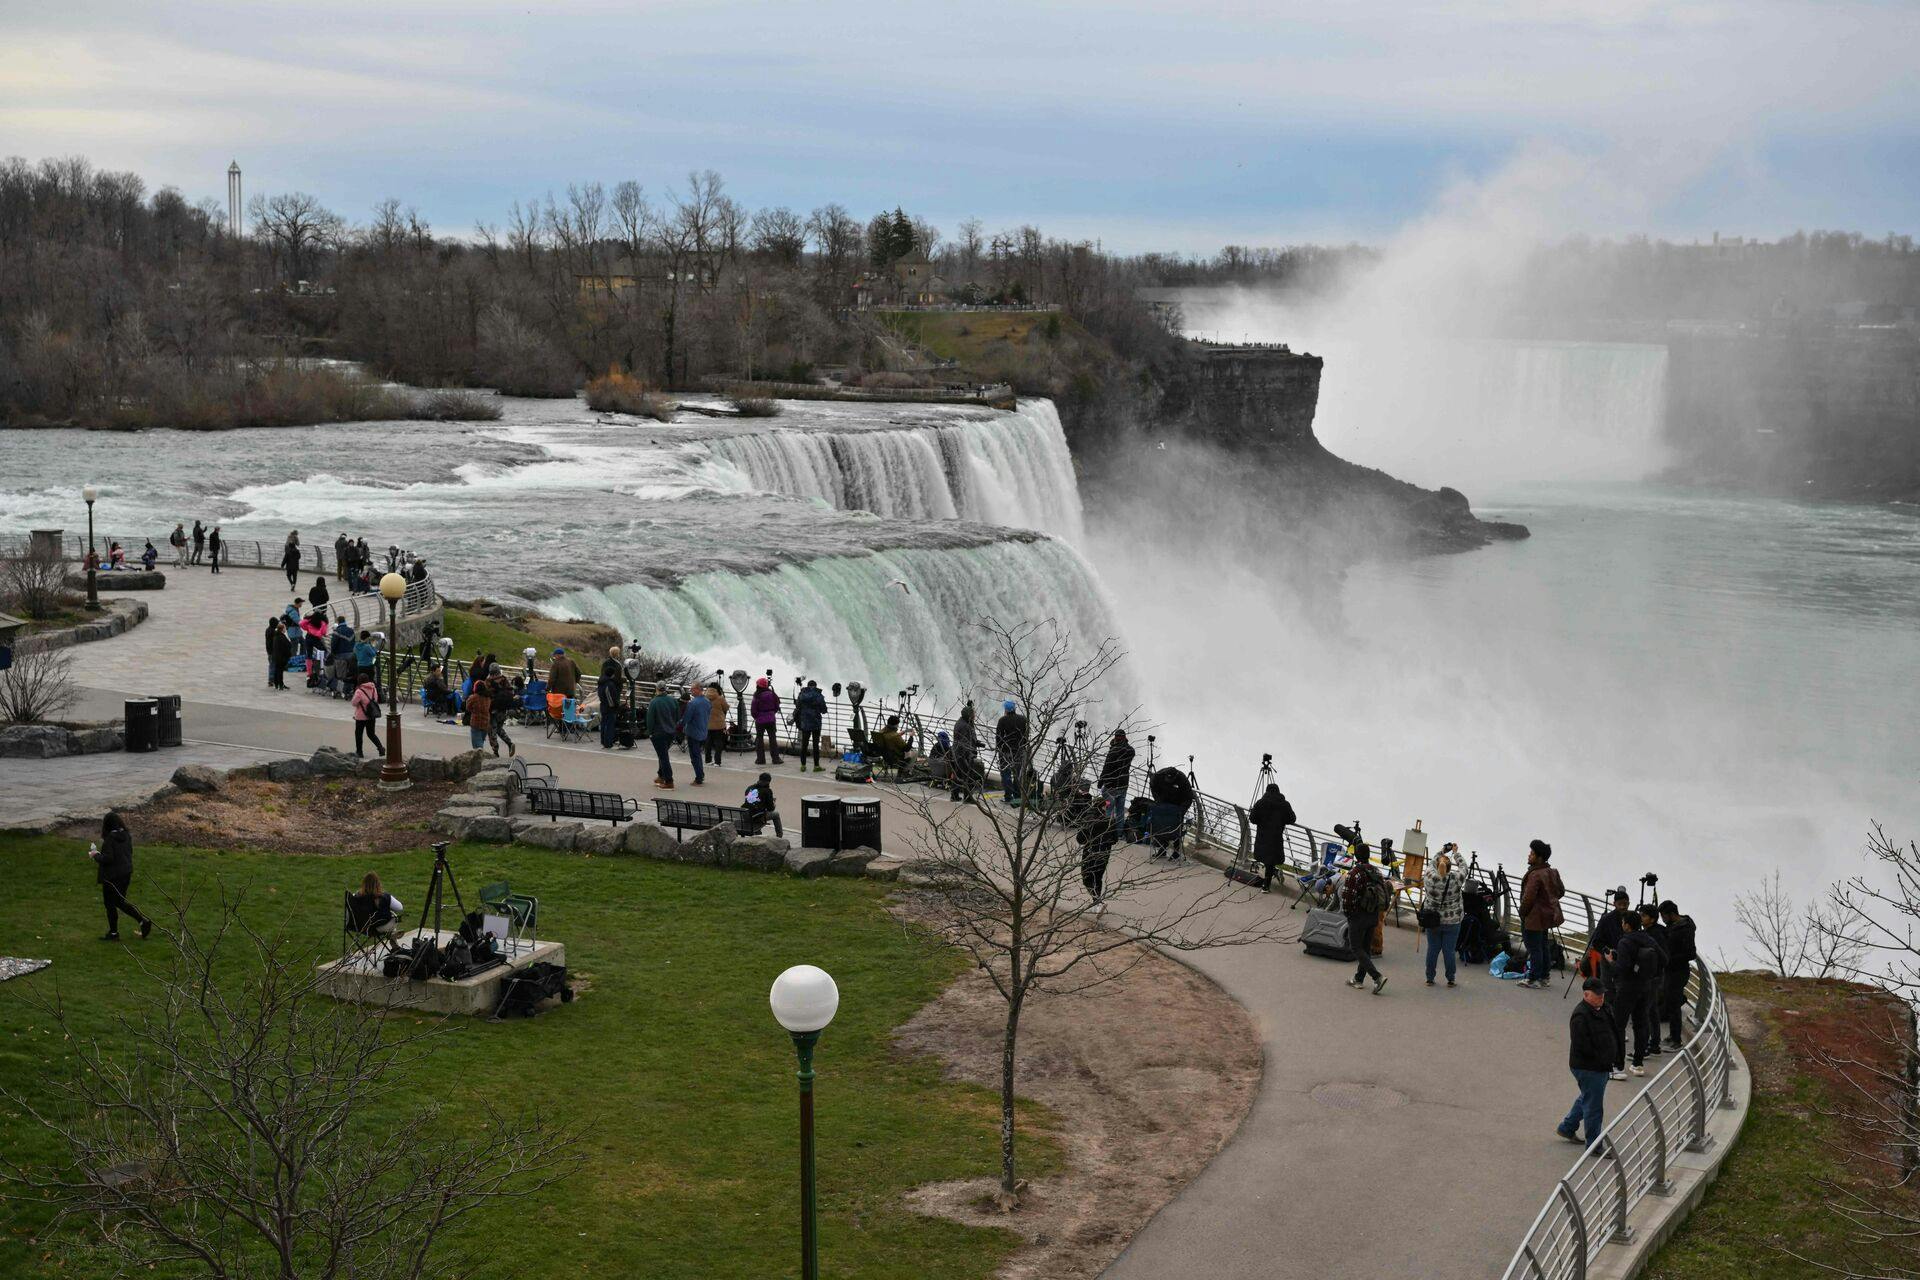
(1406, 1134)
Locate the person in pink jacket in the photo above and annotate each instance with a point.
(765, 709)
(366, 712)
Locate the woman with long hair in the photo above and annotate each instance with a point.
(114, 860)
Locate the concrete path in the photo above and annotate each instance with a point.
(1410, 1133)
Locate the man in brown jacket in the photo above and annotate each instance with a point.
(563, 677)
(1540, 914)
(716, 744)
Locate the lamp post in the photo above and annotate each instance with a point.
(804, 999)
(393, 774)
(93, 557)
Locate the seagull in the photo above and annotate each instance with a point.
(901, 583)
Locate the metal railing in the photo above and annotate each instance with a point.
(236, 553)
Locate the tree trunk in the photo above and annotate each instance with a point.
(1009, 1195)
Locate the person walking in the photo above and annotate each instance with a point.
(1442, 908)
(1682, 951)
(1635, 968)
(178, 541)
(663, 717)
(1540, 894)
(290, 560)
(759, 802)
(340, 558)
(1589, 1055)
(695, 720)
(611, 677)
(717, 723)
(501, 694)
(1010, 746)
(1116, 775)
(213, 548)
(563, 675)
(113, 863)
(279, 653)
(1271, 815)
(809, 716)
(1096, 832)
(765, 710)
(1363, 896)
(479, 712)
(966, 756)
(366, 710)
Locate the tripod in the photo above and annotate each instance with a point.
(1264, 779)
(442, 878)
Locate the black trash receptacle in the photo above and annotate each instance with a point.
(143, 724)
(860, 824)
(820, 822)
(169, 719)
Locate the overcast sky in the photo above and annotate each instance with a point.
(1176, 126)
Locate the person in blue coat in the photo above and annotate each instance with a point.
(694, 722)
(663, 717)
(809, 714)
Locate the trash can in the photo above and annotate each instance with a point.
(169, 719)
(860, 824)
(820, 822)
(143, 724)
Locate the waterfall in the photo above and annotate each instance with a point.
(847, 617)
(1008, 469)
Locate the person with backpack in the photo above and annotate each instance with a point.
(809, 716)
(502, 703)
(1271, 815)
(290, 559)
(1682, 951)
(759, 802)
(696, 718)
(1636, 972)
(1589, 1055)
(1363, 896)
(765, 710)
(663, 717)
(1540, 894)
(1442, 908)
(366, 711)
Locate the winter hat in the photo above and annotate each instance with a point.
(558, 651)
(761, 683)
(1008, 704)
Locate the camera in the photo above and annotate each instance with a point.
(1266, 759)
(1650, 879)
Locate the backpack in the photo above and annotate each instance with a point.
(525, 990)
(1371, 895)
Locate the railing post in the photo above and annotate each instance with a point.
(1703, 1000)
(1533, 1263)
(1698, 1140)
(1661, 1184)
(1726, 1060)
(1579, 1231)
(1622, 1233)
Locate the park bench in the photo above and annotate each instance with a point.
(530, 776)
(692, 815)
(566, 802)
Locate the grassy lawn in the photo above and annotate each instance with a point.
(669, 1063)
(470, 631)
(1770, 1203)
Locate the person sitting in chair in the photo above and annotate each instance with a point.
(759, 800)
(378, 910)
(440, 699)
(891, 745)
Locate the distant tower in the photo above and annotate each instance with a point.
(233, 199)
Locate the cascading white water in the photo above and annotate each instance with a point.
(890, 618)
(1008, 469)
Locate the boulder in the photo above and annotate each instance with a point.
(851, 862)
(98, 739)
(647, 839)
(427, 768)
(35, 741)
(371, 766)
(545, 834)
(120, 580)
(886, 867)
(808, 862)
(465, 765)
(711, 848)
(453, 820)
(488, 830)
(498, 781)
(760, 853)
(197, 778)
(251, 772)
(600, 837)
(288, 770)
(491, 804)
(331, 762)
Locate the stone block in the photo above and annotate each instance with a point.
(453, 820)
(547, 835)
(808, 862)
(600, 837)
(427, 768)
(35, 742)
(251, 772)
(465, 765)
(371, 766)
(647, 839)
(710, 848)
(851, 862)
(885, 867)
(288, 771)
(488, 830)
(331, 762)
(197, 778)
(109, 580)
(98, 739)
(759, 853)
(497, 781)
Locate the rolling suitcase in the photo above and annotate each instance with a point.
(1325, 934)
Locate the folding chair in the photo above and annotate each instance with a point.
(362, 920)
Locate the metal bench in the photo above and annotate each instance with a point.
(532, 776)
(692, 815)
(565, 802)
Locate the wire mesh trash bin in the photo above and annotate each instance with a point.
(820, 822)
(143, 724)
(860, 824)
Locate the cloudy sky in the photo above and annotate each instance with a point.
(1149, 125)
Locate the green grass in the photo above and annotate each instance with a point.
(470, 631)
(669, 1062)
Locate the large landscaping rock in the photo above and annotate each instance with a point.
(427, 768)
(96, 739)
(331, 762)
(647, 839)
(760, 853)
(545, 834)
(197, 778)
(371, 766)
(35, 741)
(120, 580)
(808, 862)
(489, 830)
(851, 862)
(453, 820)
(886, 867)
(600, 837)
(710, 848)
(288, 770)
(465, 765)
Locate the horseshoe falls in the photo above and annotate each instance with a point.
(1008, 469)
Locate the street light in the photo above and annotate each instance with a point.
(804, 999)
(393, 774)
(93, 557)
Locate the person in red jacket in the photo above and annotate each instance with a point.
(1540, 894)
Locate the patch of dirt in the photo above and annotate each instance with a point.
(1150, 1075)
(315, 815)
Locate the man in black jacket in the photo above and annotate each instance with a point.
(1682, 951)
(1010, 745)
(1636, 969)
(612, 676)
(1116, 774)
(1657, 987)
(1608, 928)
(1589, 1055)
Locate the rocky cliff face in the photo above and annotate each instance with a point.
(1230, 430)
(1829, 414)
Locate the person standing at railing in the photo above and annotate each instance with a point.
(290, 559)
(1682, 951)
(966, 755)
(1443, 902)
(1636, 971)
(178, 541)
(199, 541)
(563, 675)
(809, 715)
(611, 676)
(1589, 1056)
(1010, 746)
(1271, 815)
(213, 549)
(765, 710)
(340, 558)
(1116, 771)
(1540, 894)
(1657, 985)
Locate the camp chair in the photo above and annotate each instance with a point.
(362, 929)
(521, 910)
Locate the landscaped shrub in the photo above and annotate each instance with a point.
(618, 391)
(449, 404)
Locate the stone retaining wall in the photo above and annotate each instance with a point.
(116, 616)
(48, 741)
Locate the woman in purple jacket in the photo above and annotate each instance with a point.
(766, 717)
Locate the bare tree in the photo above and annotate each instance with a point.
(297, 226)
(1006, 883)
(242, 1124)
(38, 687)
(34, 583)
(1825, 940)
(779, 234)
